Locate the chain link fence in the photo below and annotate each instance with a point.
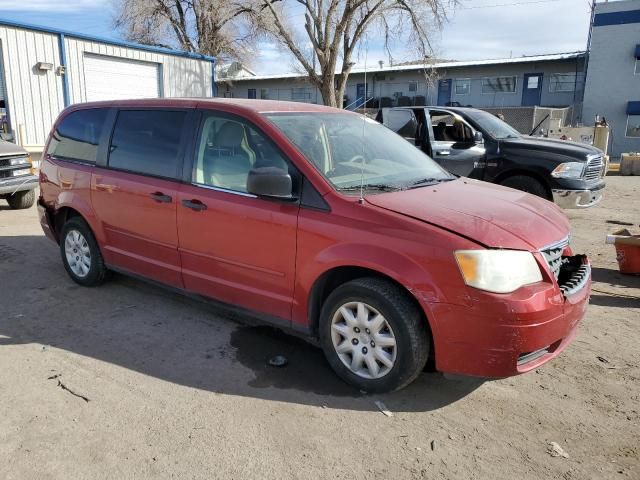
(525, 119)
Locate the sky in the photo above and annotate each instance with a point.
(477, 29)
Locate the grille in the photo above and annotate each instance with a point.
(594, 168)
(4, 161)
(553, 255)
(577, 280)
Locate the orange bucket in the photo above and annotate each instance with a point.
(627, 251)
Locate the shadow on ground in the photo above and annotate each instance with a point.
(141, 327)
(606, 281)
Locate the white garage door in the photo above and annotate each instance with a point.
(111, 78)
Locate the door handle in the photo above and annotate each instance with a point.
(160, 197)
(443, 153)
(194, 204)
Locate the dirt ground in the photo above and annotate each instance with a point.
(130, 381)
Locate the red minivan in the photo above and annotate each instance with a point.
(317, 220)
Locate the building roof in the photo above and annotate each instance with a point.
(441, 64)
(108, 41)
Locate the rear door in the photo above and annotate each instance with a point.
(134, 192)
(403, 122)
(234, 246)
(453, 145)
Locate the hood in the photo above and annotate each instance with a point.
(576, 150)
(491, 215)
(10, 149)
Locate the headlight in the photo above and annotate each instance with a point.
(568, 170)
(22, 171)
(498, 271)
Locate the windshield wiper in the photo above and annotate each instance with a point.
(425, 182)
(381, 187)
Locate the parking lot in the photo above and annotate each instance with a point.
(130, 380)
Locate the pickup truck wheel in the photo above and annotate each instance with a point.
(373, 335)
(22, 200)
(526, 184)
(80, 254)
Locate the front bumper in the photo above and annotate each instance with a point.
(577, 198)
(18, 184)
(497, 336)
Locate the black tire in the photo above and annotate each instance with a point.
(409, 328)
(97, 272)
(22, 200)
(526, 184)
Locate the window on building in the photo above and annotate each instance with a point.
(147, 142)
(264, 93)
(633, 126)
(499, 85)
(301, 94)
(78, 135)
(413, 86)
(562, 82)
(463, 86)
(251, 93)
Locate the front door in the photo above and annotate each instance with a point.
(444, 91)
(235, 247)
(134, 195)
(532, 89)
(453, 145)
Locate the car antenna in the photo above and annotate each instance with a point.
(364, 120)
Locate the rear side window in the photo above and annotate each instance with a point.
(147, 141)
(77, 136)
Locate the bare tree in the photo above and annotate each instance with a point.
(334, 29)
(220, 28)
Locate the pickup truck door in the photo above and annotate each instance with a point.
(453, 144)
(402, 121)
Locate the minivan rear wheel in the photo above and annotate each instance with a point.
(373, 335)
(80, 253)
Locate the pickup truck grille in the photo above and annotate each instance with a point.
(553, 255)
(594, 169)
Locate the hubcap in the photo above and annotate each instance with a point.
(363, 340)
(78, 254)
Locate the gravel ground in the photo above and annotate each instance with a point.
(131, 381)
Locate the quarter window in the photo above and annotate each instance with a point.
(78, 135)
(228, 150)
(633, 126)
(562, 82)
(147, 142)
(499, 85)
(463, 86)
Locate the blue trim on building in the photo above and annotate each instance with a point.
(633, 108)
(214, 87)
(616, 18)
(118, 43)
(65, 76)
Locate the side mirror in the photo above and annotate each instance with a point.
(272, 182)
(478, 138)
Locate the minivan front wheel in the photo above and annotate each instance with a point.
(80, 253)
(373, 335)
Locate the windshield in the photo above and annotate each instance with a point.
(492, 125)
(350, 150)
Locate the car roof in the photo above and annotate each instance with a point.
(248, 105)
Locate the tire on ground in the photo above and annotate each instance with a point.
(526, 184)
(403, 316)
(22, 200)
(97, 271)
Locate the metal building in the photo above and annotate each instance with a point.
(43, 70)
(613, 75)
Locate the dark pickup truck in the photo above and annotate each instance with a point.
(17, 176)
(476, 144)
